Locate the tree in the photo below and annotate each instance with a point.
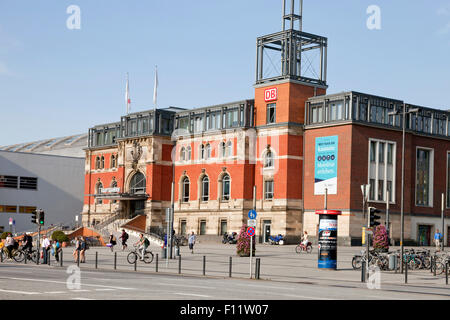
(380, 238)
(60, 236)
(243, 243)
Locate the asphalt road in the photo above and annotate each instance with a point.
(51, 282)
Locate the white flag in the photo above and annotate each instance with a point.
(127, 96)
(155, 89)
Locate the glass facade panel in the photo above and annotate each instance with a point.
(422, 177)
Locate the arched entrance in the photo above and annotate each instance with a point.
(137, 189)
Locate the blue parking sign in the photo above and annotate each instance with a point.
(252, 214)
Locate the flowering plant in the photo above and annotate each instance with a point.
(243, 243)
(380, 238)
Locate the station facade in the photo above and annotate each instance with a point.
(261, 153)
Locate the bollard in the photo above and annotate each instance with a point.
(96, 259)
(26, 256)
(179, 265)
(135, 265)
(406, 272)
(431, 264)
(257, 267)
(78, 258)
(231, 260)
(204, 265)
(363, 271)
(115, 260)
(48, 257)
(156, 264)
(434, 266)
(1, 256)
(61, 255)
(446, 272)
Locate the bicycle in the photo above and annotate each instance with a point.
(16, 254)
(133, 255)
(302, 248)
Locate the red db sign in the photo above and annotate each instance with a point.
(270, 94)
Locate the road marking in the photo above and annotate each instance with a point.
(192, 294)
(104, 289)
(64, 282)
(261, 286)
(81, 290)
(306, 297)
(183, 285)
(19, 292)
(55, 292)
(81, 298)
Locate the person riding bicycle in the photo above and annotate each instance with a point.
(27, 242)
(9, 244)
(305, 239)
(143, 245)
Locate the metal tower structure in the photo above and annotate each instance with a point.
(292, 54)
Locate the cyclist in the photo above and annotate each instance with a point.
(305, 239)
(27, 243)
(143, 245)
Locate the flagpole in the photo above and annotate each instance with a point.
(127, 95)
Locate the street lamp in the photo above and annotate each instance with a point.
(402, 218)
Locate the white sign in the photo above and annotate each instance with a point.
(251, 223)
(109, 190)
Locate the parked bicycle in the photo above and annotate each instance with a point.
(136, 254)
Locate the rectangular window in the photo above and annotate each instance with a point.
(8, 209)
(183, 123)
(23, 209)
(372, 189)
(271, 113)
(202, 227)
(381, 169)
(183, 227)
(8, 182)
(380, 190)
(381, 152)
(268, 190)
(423, 166)
(223, 227)
(28, 183)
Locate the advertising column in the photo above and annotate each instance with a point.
(327, 258)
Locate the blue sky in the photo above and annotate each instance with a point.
(56, 82)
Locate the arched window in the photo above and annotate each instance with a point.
(113, 161)
(226, 186)
(183, 154)
(223, 150)
(97, 162)
(229, 149)
(205, 188)
(268, 160)
(185, 189)
(98, 191)
(188, 153)
(102, 162)
(207, 151)
(202, 151)
(114, 185)
(137, 184)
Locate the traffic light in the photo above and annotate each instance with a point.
(41, 217)
(33, 217)
(373, 217)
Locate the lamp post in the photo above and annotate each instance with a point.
(402, 217)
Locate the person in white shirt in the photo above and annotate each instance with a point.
(9, 244)
(305, 239)
(45, 248)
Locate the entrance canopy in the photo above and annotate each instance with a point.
(120, 196)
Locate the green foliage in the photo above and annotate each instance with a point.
(243, 243)
(4, 235)
(60, 236)
(380, 238)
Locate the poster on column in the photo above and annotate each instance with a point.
(325, 168)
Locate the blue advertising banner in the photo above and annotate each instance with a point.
(325, 168)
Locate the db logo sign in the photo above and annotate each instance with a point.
(270, 94)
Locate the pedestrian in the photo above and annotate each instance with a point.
(76, 252)
(46, 246)
(191, 242)
(9, 245)
(124, 237)
(437, 239)
(57, 249)
(83, 248)
(112, 242)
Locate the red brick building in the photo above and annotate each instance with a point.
(218, 155)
